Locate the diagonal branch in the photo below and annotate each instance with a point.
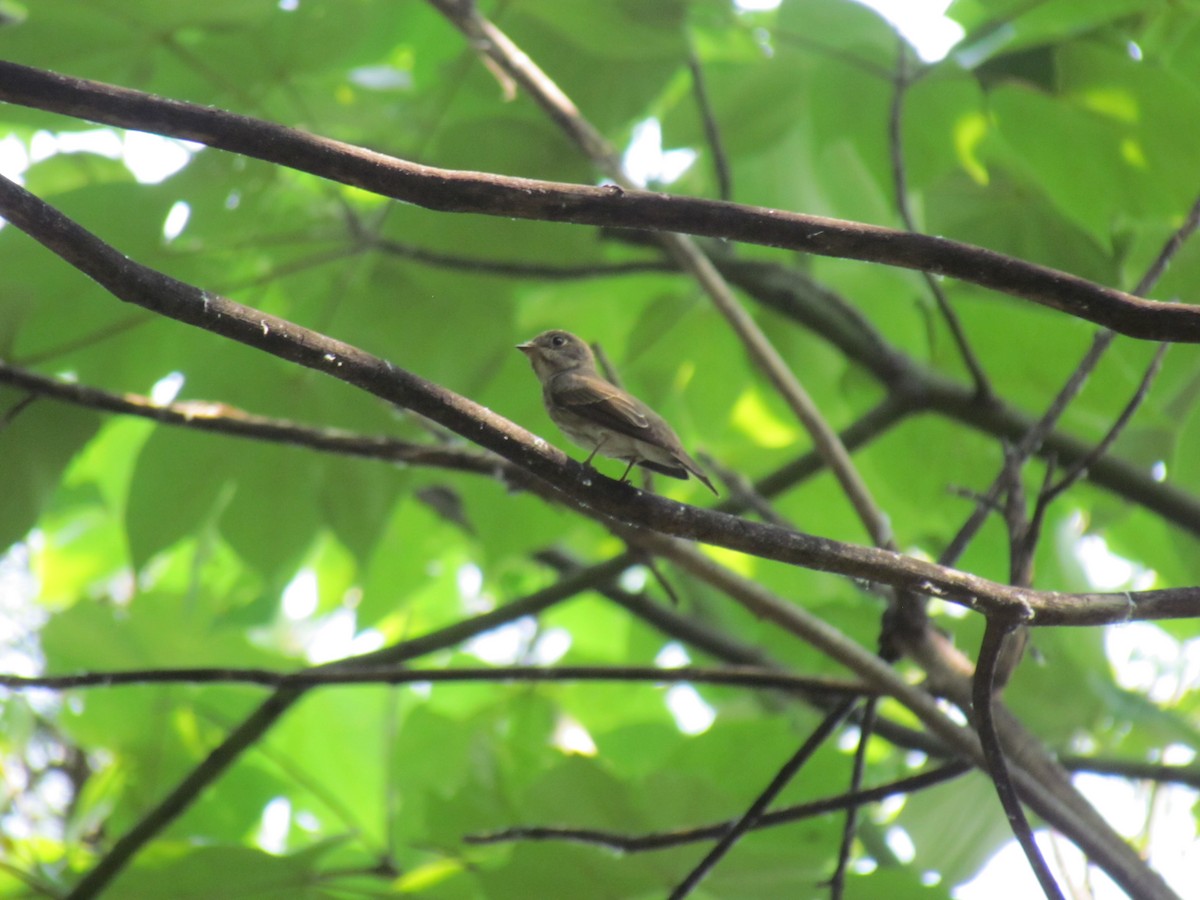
(497, 47)
(1079, 469)
(574, 484)
(912, 387)
(753, 814)
(712, 132)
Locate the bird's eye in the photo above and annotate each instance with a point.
(557, 341)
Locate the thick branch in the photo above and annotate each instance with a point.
(448, 190)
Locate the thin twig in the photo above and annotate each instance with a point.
(6, 419)
(252, 728)
(837, 883)
(662, 840)
(503, 269)
(754, 812)
(901, 82)
(90, 339)
(1080, 468)
(1028, 445)
(366, 672)
(657, 572)
(1188, 775)
(1172, 246)
(712, 132)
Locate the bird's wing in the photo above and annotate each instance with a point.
(590, 396)
(603, 403)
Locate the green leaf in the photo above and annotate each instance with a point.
(36, 444)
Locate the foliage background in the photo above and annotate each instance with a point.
(1058, 132)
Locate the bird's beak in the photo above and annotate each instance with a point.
(525, 348)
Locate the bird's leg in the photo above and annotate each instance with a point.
(625, 474)
(592, 455)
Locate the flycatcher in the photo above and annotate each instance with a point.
(598, 415)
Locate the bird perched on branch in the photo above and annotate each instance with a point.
(599, 416)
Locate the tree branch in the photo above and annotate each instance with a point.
(678, 837)
(984, 685)
(912, 388)
(575, 484)
(221, 418)
(497, 47)
(357, 671)
(260, 721)
(448, 190)
(901, 81)
(1034, 774)
(754, 812)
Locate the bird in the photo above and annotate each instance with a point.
(599, 416)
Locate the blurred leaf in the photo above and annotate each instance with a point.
(195, 873)
(955, 827)
(36, 443)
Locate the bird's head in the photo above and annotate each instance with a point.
(557, 351)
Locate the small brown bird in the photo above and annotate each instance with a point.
(598, 415)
